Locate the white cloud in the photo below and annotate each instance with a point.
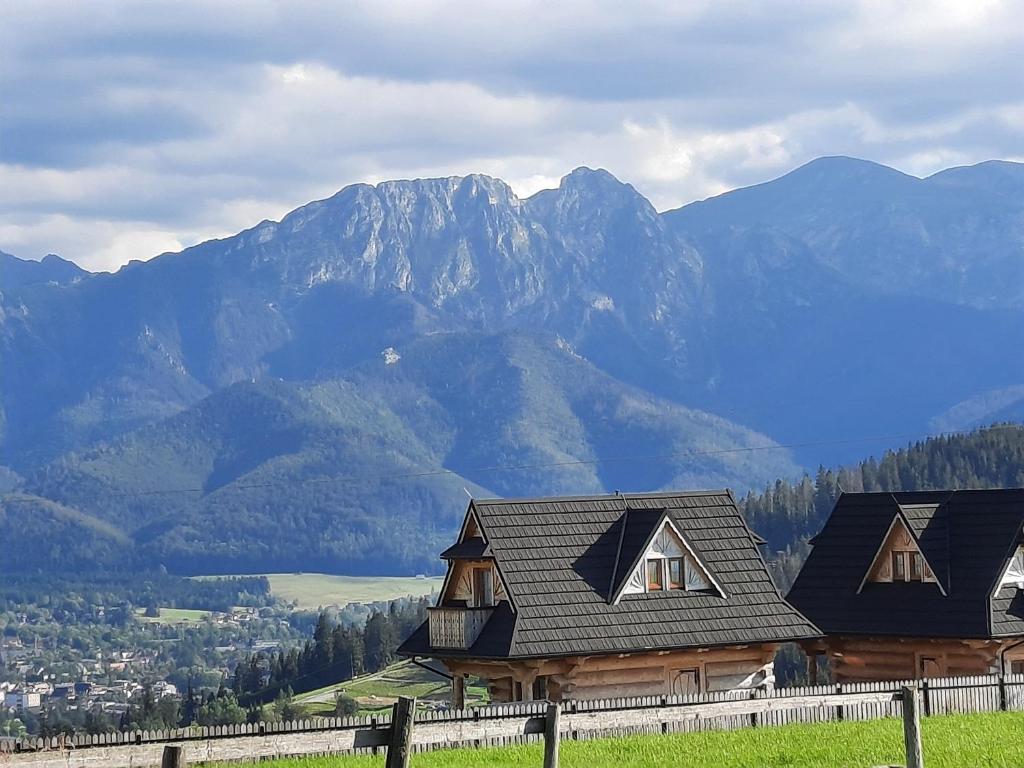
(129, 129)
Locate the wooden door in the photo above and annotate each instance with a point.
(928, 666)
(483, 587)
(684, 682)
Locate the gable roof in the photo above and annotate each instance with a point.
(967, 538)
(561, 558)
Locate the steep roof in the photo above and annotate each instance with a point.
(967, 537)
(561, 561)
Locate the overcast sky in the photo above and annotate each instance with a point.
(128, 129)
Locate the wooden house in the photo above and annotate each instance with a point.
(916, 585)
(603, 596)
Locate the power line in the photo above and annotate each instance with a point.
(442, 472)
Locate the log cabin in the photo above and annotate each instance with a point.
(607, 596)
(917, 585)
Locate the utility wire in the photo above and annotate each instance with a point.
(441, 472)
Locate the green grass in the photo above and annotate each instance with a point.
(173, 615)
(960, 741)
(313, 590)
(380, 690)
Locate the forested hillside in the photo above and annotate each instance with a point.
(788, 513)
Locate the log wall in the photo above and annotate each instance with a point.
(862, 659)
(640, 674)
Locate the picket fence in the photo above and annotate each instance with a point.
(520, 723)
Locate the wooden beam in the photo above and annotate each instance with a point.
(912, 727)
(551, 735)
(458, 691)
(400, 745)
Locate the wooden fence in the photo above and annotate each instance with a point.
(521, 723)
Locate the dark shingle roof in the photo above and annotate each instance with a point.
(967, 538)
(471, 549)
(557, 556)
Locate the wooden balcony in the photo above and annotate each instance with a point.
(456, 628)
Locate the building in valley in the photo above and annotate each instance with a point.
(914, 585)
(603, 596)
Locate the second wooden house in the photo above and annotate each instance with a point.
(916, 585)
(607, 596)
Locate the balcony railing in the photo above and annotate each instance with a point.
(456, 627)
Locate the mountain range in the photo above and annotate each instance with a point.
(301, 394)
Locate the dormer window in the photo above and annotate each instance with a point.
(483, 587)
(899, 566)
(655, 578)
(917, 566)
(675, 573)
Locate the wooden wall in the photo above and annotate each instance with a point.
(619, 675)
(862, 659)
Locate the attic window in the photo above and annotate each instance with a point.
(675, 573)
(655, 578)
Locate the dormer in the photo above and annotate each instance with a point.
(472, 589)
(654, 556)
(899, 558)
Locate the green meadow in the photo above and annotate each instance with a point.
(957, 741)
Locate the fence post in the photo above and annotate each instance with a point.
(400, 743)
(173, 757)
(925, 694)
(551, 735)
(753, 715)
(1002, 692)
(912, 726)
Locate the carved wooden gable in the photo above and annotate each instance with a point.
(899, 558)
(1014, 573)
(462, 582)
(668, 545)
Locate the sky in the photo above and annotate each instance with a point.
(130, 129)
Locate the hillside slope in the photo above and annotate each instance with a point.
(325, 476)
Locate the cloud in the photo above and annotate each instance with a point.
(131, 128)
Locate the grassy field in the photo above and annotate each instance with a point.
(173, 615)
(379, 690)
(962, 741)
(313, 590)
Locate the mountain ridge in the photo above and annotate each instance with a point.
(448, 325)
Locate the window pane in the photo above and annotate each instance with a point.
(899, 571)
(483, 587)
(675, 573)
(654, 580)
(916, 566)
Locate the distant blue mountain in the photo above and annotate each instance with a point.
(300, 381)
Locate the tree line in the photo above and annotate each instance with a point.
(333, 654)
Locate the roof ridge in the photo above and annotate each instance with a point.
(601, 497)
